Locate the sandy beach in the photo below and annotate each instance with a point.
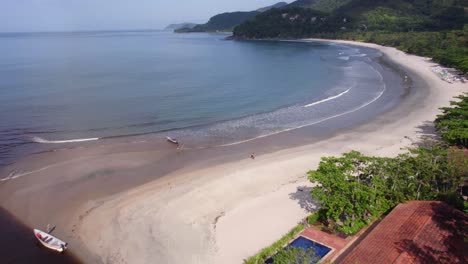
(218, 211)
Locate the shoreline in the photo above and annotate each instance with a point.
(235, 129)
(199, 214)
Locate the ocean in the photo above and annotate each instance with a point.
(60, 89)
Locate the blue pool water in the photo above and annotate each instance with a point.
(320, 250)
(305, 243)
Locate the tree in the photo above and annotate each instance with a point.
(453, 122)
(351, 191)
(355, 189)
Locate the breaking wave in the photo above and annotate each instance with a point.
(329, 98)
(45, 141)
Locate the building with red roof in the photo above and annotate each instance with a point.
(414, 232)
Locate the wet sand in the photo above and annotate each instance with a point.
(142, 201)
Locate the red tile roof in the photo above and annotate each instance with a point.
(414, 232)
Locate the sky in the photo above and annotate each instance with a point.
(75, 15)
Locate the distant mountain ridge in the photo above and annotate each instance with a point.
(180, 25)
(227, 21)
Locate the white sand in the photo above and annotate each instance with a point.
(226, 213)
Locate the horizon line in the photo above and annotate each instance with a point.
(83, 31)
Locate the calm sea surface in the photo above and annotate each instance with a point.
(59, 88)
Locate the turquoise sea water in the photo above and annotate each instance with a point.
(57, 88)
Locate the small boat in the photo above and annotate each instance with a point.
(50, 241)
(172, 140)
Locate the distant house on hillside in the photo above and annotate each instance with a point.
(414, 232)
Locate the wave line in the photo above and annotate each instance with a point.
(45, 141)
(328, 99)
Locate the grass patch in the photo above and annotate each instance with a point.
(267, 252)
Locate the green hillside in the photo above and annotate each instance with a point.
(357, 15)
(434, 28)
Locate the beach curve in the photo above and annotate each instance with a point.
(247, 195)
(225, 212)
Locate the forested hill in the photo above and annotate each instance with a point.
(356, 15)
(433, 28)
(227, 21)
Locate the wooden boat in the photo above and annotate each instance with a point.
(172, 140)
(50, 241)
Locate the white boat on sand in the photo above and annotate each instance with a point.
(172, 140)
(49, 241)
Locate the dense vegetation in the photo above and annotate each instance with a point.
(360, 15)
(293, 22)
(433, 28)
(355, 189)
(453, 123)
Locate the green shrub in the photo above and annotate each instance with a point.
(313, 218)
(453, 122)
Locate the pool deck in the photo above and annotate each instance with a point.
(338, 245)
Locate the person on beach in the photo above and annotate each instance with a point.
(252, 156)
(179, 148)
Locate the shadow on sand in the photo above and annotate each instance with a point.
(19, 246)
(302, 196)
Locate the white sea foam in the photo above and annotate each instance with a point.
(359, 55)
(328, 99)
(345, 58)
(45, 141)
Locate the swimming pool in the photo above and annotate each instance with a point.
(302, 242)
(320, 250)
